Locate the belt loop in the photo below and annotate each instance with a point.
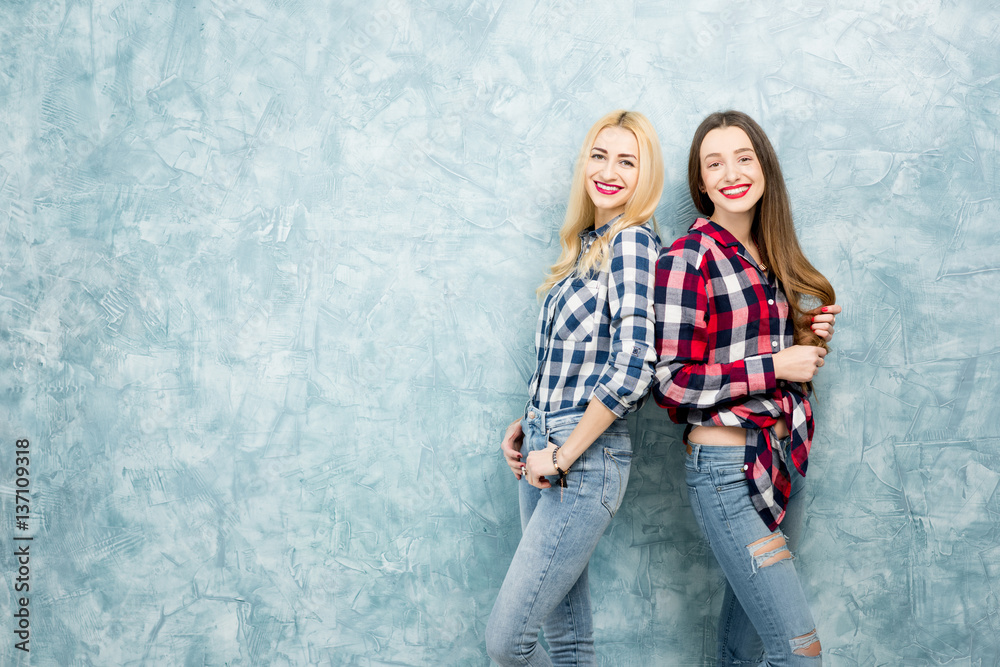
(696, 455)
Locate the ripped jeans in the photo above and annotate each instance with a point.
(764, 607)
(546, 585)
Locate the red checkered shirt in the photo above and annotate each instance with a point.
(719, 321)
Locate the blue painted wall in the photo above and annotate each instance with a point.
(266, 303)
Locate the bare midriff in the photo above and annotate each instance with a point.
(728, 436)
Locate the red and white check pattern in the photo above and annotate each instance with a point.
(719, 321)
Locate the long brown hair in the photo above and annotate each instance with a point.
(580, 211)
(772, 230)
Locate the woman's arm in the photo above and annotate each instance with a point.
(684, 379)
(629, 371)
(595, 420)
(632, 357)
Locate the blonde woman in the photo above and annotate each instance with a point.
(570, 451)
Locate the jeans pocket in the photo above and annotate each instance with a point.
(733, 490)
(558, 434)
(617, 463)
(729, 478)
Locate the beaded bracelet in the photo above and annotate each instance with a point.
(562, 473)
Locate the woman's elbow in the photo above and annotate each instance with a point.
(664, 397)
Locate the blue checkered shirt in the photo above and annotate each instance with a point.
(596, 334)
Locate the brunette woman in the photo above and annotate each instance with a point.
(570, 450)
(738, 349)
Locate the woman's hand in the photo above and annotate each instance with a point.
(511, 446)
(539, 465)
(823, 319)
(798, 363)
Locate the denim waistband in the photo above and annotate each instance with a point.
(727, 453)
(553, 418)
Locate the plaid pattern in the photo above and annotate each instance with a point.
(595, 333)
(719, 320)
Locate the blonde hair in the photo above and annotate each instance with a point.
(772, 229)
(580, 211)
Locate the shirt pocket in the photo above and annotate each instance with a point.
(576, 311)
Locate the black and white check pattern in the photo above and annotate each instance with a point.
(595, 334)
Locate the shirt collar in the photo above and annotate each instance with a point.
(715, 231)
(723, 237)
(602, 230)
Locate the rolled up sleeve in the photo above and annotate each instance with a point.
(629, 371)
(684, 378)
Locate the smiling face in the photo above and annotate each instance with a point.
(612, 172)
(731, 175)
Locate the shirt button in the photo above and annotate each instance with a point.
(774, 343)
(531, 415)
(745, 467)
(770, 301)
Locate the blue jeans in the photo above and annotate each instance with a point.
(546, 584)
(764, 608)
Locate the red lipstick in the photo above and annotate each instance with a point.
(735, 191)
(607, 188)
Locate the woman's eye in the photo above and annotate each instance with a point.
(627, 163)
(596, 156)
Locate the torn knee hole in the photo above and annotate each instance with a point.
(784, 554)
(806, 645)
(765, 544)
(769, 550)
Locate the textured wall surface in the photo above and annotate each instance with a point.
(266, 304)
